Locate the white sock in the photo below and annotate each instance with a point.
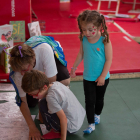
(97, 119)
(90, 128)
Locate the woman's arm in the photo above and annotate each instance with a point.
(33, 131)
(52, 79)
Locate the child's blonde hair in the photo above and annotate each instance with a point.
(91, 16)
(34, 80)
(16, 60)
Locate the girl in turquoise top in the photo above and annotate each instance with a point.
(96, 52)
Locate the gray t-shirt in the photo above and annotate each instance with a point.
(61, 97)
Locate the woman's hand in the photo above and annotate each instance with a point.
(100, 81)
(34, 134)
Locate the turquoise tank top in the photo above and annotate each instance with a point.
(94, 59)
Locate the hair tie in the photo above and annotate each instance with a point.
(20, 47)
(5, 51)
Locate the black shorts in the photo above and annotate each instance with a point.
(63, 72)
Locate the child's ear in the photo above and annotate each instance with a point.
(45, 87)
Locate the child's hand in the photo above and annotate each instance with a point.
(100, 81)
(72, 73)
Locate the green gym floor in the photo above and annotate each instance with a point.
(120, 118)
